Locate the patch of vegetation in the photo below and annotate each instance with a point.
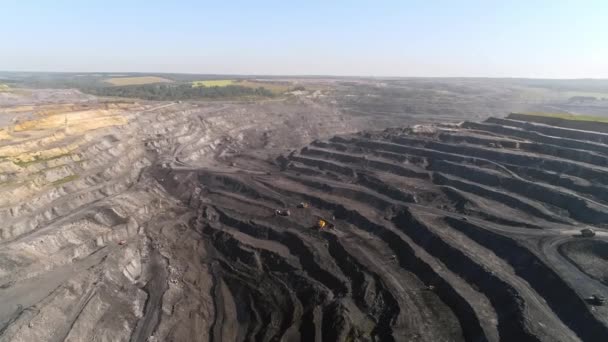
(212, 83)
(43, 171)
(4, 87)
(38, 159)
(95, 83)
(65, 180)
(174, 92)
(567, 116)
(276, 88)
(122, 81)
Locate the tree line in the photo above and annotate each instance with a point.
(172, 92)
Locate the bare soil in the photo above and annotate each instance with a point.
(164, 226)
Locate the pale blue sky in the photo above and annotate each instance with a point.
(518, 38)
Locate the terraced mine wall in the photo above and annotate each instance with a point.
(157, 222)
(442, 232)
(590, 126)
(92, 246)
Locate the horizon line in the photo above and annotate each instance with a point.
(309, 75)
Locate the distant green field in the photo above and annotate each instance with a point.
(275, 87)
(212, 83)
(569, 116)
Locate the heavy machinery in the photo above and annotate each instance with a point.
(596, 300)
(324, 224)
(587, 232)
(321, 224)
(282, 212)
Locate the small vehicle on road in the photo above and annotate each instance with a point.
(282, 212)
(587, 232)
(596, 300)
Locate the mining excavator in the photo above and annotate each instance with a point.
(324, 224)
(282, 212)
(321, 224)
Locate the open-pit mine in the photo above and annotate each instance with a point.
(297, 219)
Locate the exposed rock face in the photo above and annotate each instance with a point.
(441, 233)
(91, 247)
(156, 222)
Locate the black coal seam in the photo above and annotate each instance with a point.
(357, 195)
(583, 156)
(154, 311)
(433, 148)
(248, 201)
(537, 136)
(232, 248)
(502, 197)
(304, 169)
(350, 268)
(458, 196)
(335, 327)
(254, 329)
(597, 192)
(389, 311)
(233, 185)
(298, 248)
(275, 318)
(576, 206)
(552, 130)
(604, 249)
(367, 163)
(560, 297)
(505, 299)
(214, 329)
(400, 158)
(324, 165)
(366, 181)
(307, 326)
(490, 141)
(469, 322)
(381, 187)
(457, 158)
